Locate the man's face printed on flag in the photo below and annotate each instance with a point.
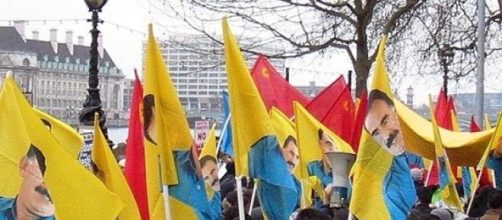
(209, 170)
(383, 124)
(290, 153)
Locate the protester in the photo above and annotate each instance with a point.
(424, 200)
(312, 214)
(443, 213)
(495, 206)
(480, 203)
(33, 200)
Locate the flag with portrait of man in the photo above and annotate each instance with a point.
(381, 176)
(257, 151)
(36, 169)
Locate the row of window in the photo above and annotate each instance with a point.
(74, 67)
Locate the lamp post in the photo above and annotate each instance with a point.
(446, 57)
(92, 103)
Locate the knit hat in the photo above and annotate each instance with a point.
(442, 213)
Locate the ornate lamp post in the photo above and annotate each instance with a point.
(93, 102)
(446, 57)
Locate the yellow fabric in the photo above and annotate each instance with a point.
(250, 121)
(172, 127)
(449, 194)
(373, 162)
(488, 124)
(68, 137)
(153, 182)
(76, 192)
(494, 142)
(182, 210)
(454, 122)
(419, 138)
(308, 140)
(210, 144)
(283, 127)
(111, 174)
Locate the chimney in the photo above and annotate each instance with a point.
(35, 35)
(80, 40)
(54, 39)
(20, 27)
(69, 41)
(100, 45)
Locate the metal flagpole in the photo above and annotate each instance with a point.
(480, 87)
(251, 204)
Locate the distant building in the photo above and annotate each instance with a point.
(197, 68)
(311, 90)
(465, 104)
(54, 76)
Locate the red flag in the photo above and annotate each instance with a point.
(275, 90)
(357, 127)
(485, 178)
(134, 170)
(474, 127)
(335, 109)
(444, 107)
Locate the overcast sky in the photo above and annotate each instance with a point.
(126, 24)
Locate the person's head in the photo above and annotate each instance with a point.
(424, 195)
(290, 152)
(149, 116)
(325, 142)
(312, 214)
(495, 199)
(209, 170)
(226, 158)
(383, 124)
(443, 213)
(33, 196)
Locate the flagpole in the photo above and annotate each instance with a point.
(251, 204)
(165, 193)
(474, 192)
(429, 174)
(240, 197)
(302, 194)
(225, 125)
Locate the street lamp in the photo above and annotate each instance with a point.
(92, 103)
(446, 57)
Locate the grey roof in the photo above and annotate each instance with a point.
(11, 40)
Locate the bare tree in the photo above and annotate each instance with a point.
(306, 26)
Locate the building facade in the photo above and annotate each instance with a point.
(197, 69)
(54, 75)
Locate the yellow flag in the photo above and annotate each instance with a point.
(250, 121)
(307, 128)
(283, 128)
(447, 181)
(68, 137)
(108, 170)
(494, 142)
(373, 162)
(210, 144)
(488, 124)
(72, 187)
(164, 119)
(419, 139)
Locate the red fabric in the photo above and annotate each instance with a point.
(474, 127)
(485, 178)
(274, 89)
(335, 108)
(357, 127)
(134, 170)
(444, 107)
